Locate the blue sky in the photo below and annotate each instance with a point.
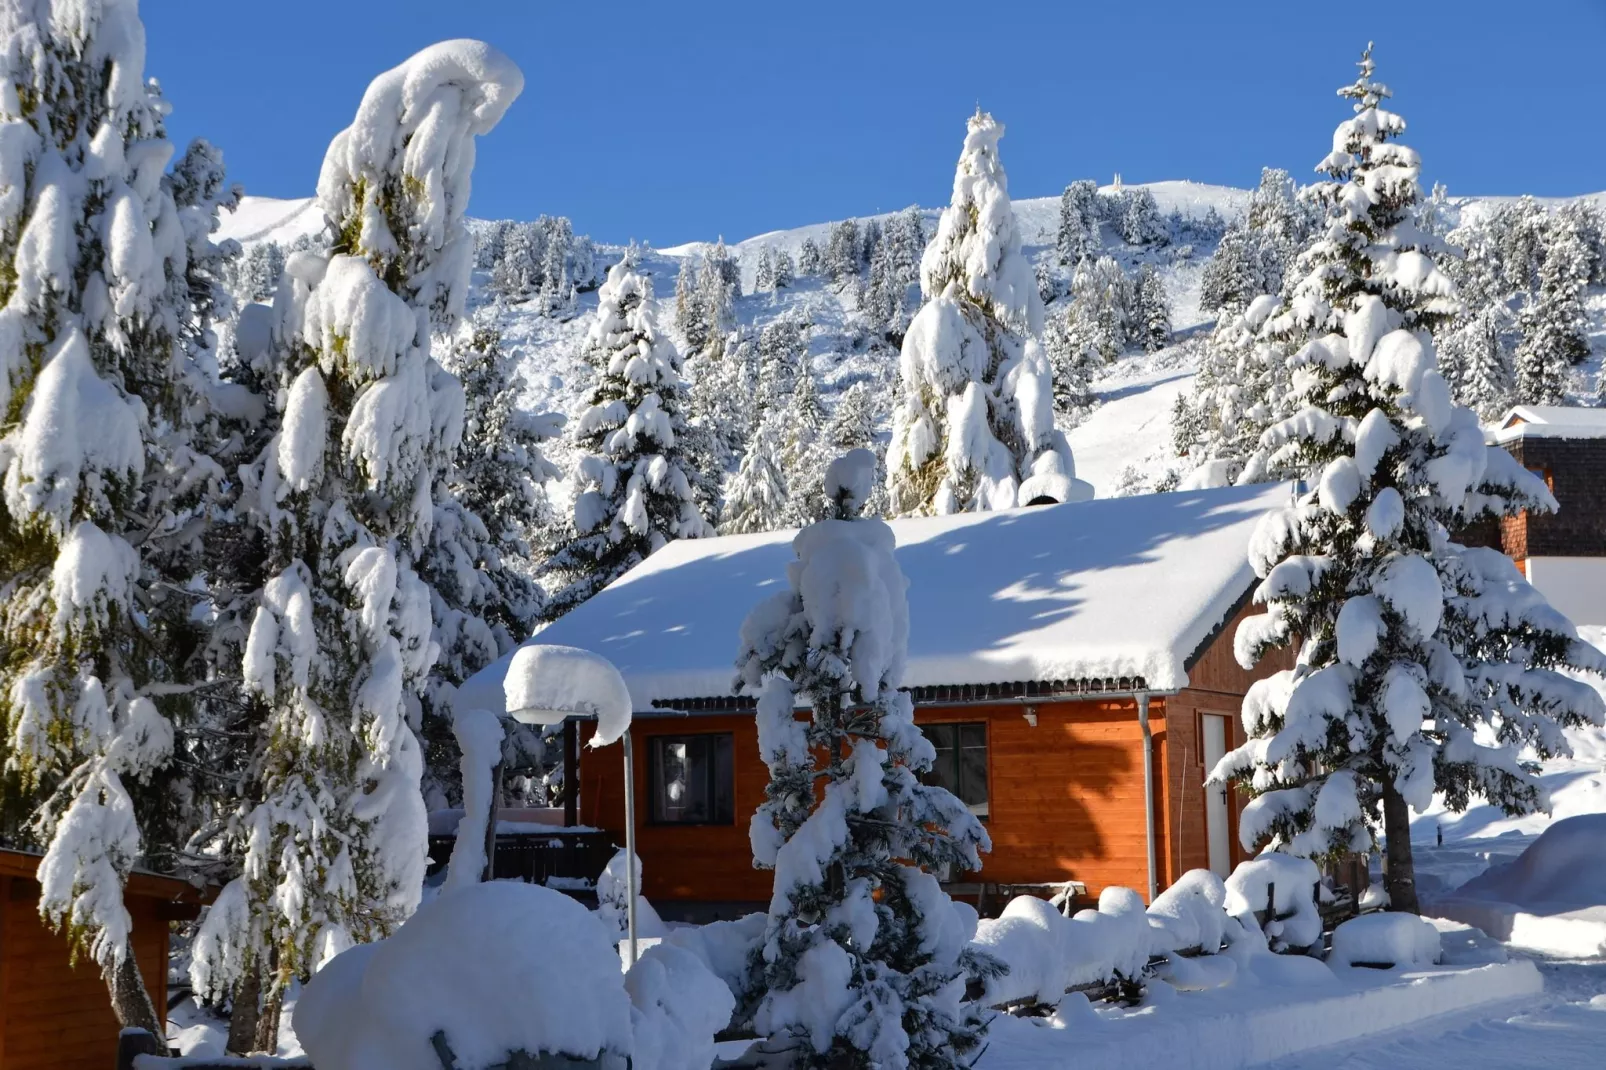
(670, 122)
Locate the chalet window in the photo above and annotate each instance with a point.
(691, 780)
(961, 764)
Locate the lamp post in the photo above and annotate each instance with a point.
(549, 684)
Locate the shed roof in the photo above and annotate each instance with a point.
(1549, 421)
(1113, 589)
(25, 864)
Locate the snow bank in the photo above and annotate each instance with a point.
(1385, 939)
(1285, 1005)
(1550, 898)
(677, 1005)
(1292, 881)
(497, 967)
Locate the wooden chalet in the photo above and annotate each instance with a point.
(1072, 664)
(55, 1015)
(1563, 554)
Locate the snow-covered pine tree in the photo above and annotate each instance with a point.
(1099, 289)
(723, 403)
(334, 843)
(691, 309)
(105, 359)
(1552, 321)
(852, 424)
(1232, 277)
(1151, 316)
(764, 272)
(1139, 222)
(756, 498)
(719, 282)
(1350, 573)
(1242, 388)
(1476, 354)
(785, 272)
(803, 451)
(255, 274)
(633, 492)
(858, 920)
(1074, 360)
(810, 262)
(884, 292)
(975, 424)
(491, 509)
(907, 235)
(557, 296)
(1078, 236)
(1439, 214)
(782, 346)
(840, 260)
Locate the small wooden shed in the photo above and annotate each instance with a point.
(55, 1015)
(1072, 664)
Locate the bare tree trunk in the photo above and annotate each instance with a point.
(1399, 870)
(267, 1040)
(130, 1001)
(247, 1013)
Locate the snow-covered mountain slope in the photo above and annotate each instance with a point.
(1123, 445)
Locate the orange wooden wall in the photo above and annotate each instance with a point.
(54, 1016)
(1066, 800)
(1066, 796)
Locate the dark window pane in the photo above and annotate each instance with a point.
(961, 763)
(722, 790)
(691, 779)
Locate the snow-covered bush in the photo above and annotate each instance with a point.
(677, 1006)
(975, 425)
(1048, 953)
(1385, 940)
(1284, 887)
(862, 958)
(613, 902)
(497, 968)
(1192, 912)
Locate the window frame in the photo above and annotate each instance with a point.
(656, 794)
(958, 748)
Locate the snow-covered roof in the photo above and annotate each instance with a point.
(1550, 421)
(1116, 588)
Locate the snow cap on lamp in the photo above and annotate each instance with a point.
(546, 684)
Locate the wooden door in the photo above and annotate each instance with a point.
(1218, 833)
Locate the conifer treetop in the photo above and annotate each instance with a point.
(977, 244)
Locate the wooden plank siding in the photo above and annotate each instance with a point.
(58, 1016)
(1065, 795)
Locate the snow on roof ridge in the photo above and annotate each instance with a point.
(1110, 589)
(1548, 421)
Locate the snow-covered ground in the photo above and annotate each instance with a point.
(1565, 1029)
